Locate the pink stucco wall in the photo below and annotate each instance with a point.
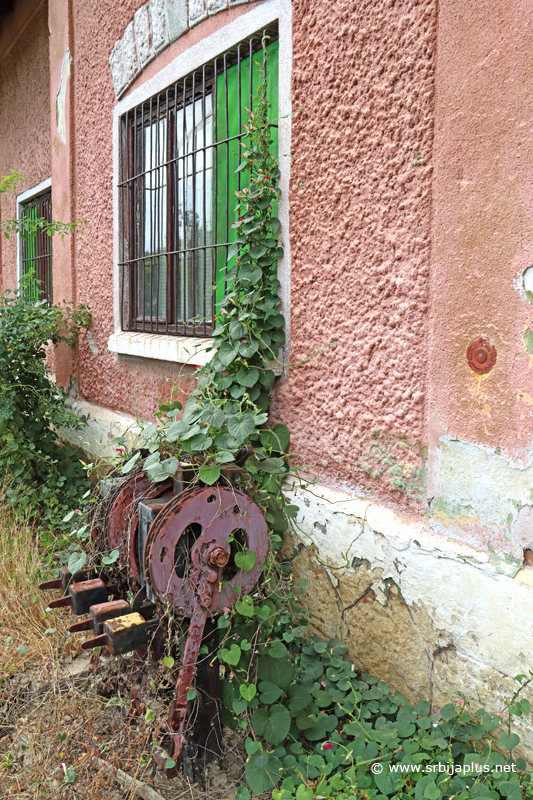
(360, 222)
(483, 223)
(24, 121)
(360, 206)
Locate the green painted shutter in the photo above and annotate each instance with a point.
(230, 116)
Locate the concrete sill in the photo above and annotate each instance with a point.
(177, 349)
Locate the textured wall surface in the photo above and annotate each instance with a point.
(24, 124)
(103, 378)
(483, 224)
(363, 75)
(481, 464)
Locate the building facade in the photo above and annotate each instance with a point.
(406, 157)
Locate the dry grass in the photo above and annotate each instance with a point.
(28, 633)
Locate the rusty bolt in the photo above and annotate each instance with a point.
(217, 557)
(481, 355)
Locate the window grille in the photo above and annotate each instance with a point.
(179, 155)
(36, 248)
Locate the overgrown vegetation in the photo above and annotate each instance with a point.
(28, 632)
(25, 224)
(40, 477)
(315, 726)
(323, 729)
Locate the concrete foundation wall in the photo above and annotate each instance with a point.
(434, 618)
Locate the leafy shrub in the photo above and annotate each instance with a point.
(41, 477)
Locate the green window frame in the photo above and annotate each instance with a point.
(36, 247)
(179, 156)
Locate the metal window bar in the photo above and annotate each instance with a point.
(178, 157)
(36, 248)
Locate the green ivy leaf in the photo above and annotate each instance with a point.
(270, 693)
(200, 442)
(262, 772)
(279, 672)
(225, 457)
(76, 562)
(128, 466)
(209, 473)
(239, 706)
(243, 793)
(148, 431)
(509, 740)
(168, 661)
(245, 606)
(231, 656)
(226, 354)
(245, 561)
(111, 558)
(190, 433)
(247, 377)
(248, 691)
(272, 723)
(173, 433)
(241, 426)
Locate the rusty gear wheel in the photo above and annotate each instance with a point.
(220, 520)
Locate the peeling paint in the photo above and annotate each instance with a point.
(61, 98)
(484, 612)
(477, 493)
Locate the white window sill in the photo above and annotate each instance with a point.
(178, 349)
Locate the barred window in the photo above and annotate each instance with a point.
(179, 156)
(36, 247)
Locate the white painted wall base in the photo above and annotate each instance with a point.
(431, 615)
(102, 427)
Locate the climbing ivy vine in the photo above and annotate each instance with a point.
(229, 407)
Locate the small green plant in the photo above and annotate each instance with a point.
(322, 729)
(26, 224)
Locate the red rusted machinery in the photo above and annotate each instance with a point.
(177, 543)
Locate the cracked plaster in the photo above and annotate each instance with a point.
(432, 616)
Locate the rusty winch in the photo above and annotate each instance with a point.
(177, 543)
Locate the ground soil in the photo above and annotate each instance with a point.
(66, 727)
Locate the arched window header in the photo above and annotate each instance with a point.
(156, 25)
